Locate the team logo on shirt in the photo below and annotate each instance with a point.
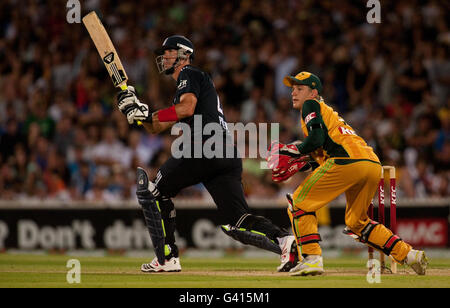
(346, 131)
(310, 116)
(182, 84)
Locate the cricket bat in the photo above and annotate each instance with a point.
(106, 50)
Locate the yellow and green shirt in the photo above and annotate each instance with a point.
(328, 135)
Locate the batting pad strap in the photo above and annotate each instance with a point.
(310, 238)
(260, 224)
(365, 233)
(249, 237)
(300, 213)
(356, 237)
(390, 243)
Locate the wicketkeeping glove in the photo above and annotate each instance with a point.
(282, 174)
(285, 160)
(131, 107)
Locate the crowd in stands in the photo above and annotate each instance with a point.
(62, 136)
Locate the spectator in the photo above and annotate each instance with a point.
(64, 135)
(82, 174)
(61, 135)
(99, 191)
(39, 116)
(256, 102)
(414, 81)
(110, 150)
(10, 138)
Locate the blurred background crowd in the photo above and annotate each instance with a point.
(62, 137)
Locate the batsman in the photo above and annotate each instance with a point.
(196, 98)
(345, 164)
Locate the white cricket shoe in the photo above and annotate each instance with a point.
(289, 254)
(311, 265)
(171, 265)
(417, 260)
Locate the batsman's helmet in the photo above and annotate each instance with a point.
(180, 43)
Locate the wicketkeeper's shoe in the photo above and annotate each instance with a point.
(311, 265)
(417, 260)
(289, 254)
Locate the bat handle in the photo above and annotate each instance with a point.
(124, 87)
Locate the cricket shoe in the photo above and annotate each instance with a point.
(417, 260)
(289, 254)
(171, 264)
(311, 265)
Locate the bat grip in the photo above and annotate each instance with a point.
(123, 88)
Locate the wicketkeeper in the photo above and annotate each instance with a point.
(346, 164)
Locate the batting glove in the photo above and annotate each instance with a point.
(131, 107)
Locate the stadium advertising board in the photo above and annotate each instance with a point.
(124, 229)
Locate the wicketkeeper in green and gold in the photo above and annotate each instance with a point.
(346, 165)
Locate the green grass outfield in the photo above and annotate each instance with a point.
(17, 271)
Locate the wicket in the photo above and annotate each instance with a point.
(381, 213)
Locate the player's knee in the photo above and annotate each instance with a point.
(355, 224)
(166, 206)
(260, 224)
(363, 231)
(249, 221)
(302, 206)
(297, 213)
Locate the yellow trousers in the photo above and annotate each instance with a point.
(358, 179)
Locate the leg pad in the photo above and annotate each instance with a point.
(250, 237)
(152, 214)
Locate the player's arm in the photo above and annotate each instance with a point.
(184, 109)
(158, 121)
(316, 128)
(135, 111)
(166, 118)
(188, 89)
(156, 128)
(287, 159)
(316, 133)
